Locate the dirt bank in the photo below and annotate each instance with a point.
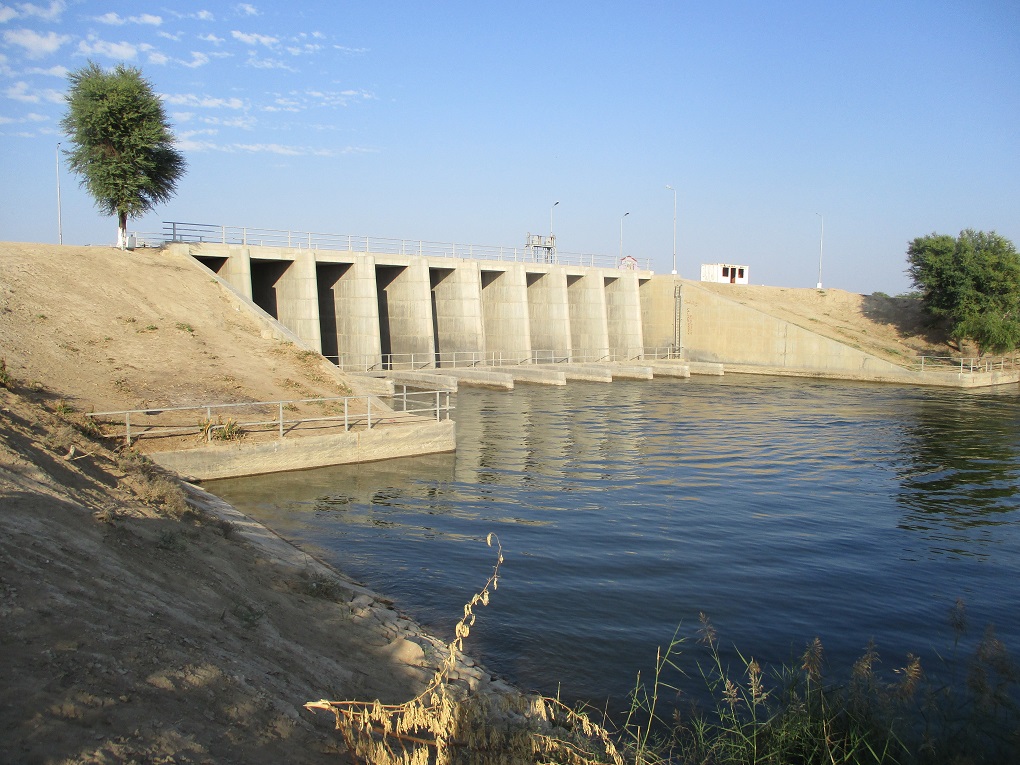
(134, 628)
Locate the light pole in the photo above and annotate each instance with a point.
(621, 234)
(821, 248)
(674, 227)
(60, 228)
(551, 218)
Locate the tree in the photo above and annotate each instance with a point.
(122, 146)
(972, 281)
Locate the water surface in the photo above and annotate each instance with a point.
(784, 509)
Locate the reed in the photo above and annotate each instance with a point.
(795, 714)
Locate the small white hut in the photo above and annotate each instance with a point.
(723, 273)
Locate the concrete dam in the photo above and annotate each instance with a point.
(380, 312)
(369, 311)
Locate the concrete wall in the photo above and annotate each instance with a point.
(240, 458)
(586, 305)
(548, 311)
(405, 313)
(349, 311)
(661, 314)
(506, 322)
(718, 329)
(457, 312)
(623, 314)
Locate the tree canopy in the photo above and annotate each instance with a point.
(122, 145)
(972, 281)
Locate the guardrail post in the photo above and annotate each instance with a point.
(347, 424)
(127, 427)
(369, 425)
(281, 419)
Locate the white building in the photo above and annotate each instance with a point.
(723, 273)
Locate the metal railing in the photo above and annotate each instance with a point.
(153, 422)
(175, 231)
(963, 365)
(412, 362)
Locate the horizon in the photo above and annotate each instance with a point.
(457, 123)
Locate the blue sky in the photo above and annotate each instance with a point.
(465, 122)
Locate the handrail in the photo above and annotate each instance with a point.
(964, 365)
(176, 231)
(350, 419)
(367, 362)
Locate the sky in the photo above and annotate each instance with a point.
(795, 133)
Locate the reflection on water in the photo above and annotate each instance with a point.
(784, 509)
(962, 476)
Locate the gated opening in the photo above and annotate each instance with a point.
(265, 275)
(327, 276)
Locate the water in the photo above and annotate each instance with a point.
(784, 509)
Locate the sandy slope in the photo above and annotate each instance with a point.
(131, 631)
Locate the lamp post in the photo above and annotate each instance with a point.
(821, 248)
(674, 227)
(60, 228)
(551, 218)
(621, 234)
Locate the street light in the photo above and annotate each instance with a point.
(551, 218)
(621, 234)
(821, 247)
(60, 228)
(674, 227)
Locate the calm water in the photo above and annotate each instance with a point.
(784, 509)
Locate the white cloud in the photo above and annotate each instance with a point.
(30, 117)
(118, 20)
(296, 50)
(49, 13)
(53, 96)
(182, 116)
(168, 36)
(120, 50)
(203, 102)
(19, 92)
(204, 16)
(35, 44)
(159, 59)
(54, 71)
(247, 9)
(211, 38)
(7, 13)
(197, 60)
(268, 63)
(254, 38)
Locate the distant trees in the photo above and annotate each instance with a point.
(122, 146)
(972, 281)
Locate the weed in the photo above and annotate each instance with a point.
(249, 614)
(445, 725)
(150, 328)
(184, 327)
(170, 541)
(41, 316)
(63, 409)
(6, 380)
(326, 587)
(220, 430)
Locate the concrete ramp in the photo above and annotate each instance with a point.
(482, 378)
(535, 375)
(670, 369)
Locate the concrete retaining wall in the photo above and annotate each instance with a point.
(301, 452)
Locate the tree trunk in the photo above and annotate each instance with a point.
(122, 229)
